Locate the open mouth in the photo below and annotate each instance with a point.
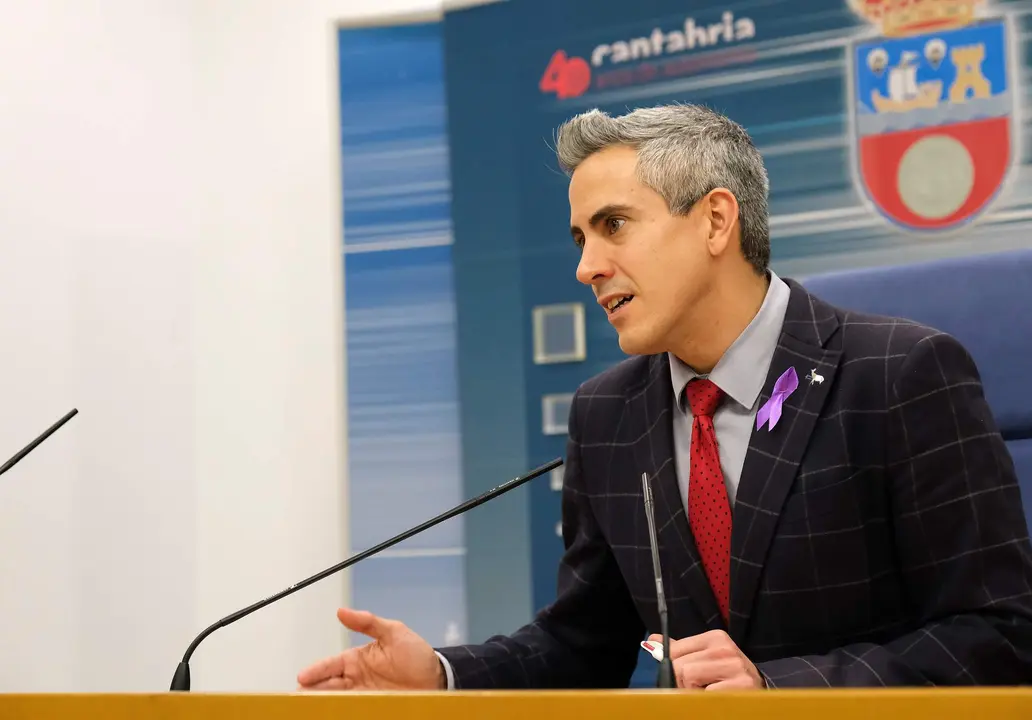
(617, 303)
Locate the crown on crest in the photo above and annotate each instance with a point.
(897, 18)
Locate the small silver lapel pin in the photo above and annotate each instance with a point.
(813, 377)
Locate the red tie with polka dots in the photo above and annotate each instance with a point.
(709, 512)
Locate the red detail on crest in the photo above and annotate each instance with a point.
(566, 76)
(988, 141)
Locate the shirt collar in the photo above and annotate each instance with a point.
(742, 370)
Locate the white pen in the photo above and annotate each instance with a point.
(653, 649)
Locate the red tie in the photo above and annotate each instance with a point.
(709, 512)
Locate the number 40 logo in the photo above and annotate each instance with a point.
(567, 77)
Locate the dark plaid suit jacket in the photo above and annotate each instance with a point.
(878, 535)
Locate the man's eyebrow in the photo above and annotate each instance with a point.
(601, 214)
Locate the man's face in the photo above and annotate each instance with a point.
(632, 247)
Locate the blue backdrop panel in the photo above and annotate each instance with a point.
(493, 337)
(517, 69)
(400, 331)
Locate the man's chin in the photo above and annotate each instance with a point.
(635, 344)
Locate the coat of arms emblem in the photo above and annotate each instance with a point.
(933, 96)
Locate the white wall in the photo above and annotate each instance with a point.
(98, 224)
(170, 265)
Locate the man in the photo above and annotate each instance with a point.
(834, 504)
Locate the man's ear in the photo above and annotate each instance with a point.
(720, 208)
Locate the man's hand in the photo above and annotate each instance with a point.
(711, 661)
(396, 659)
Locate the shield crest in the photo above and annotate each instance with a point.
(933, 115)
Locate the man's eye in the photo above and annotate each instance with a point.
(615, 224)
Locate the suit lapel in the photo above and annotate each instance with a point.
(773, 457)
(683, 574)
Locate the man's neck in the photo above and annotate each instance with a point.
(718, 321)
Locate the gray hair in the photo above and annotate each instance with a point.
(684, 152)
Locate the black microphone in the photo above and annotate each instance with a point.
(181, 680)
(666, 667)
(32, 445)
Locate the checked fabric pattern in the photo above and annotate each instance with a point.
(878, 534)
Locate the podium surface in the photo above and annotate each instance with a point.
(873, 704)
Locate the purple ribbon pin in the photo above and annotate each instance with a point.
(771, 409)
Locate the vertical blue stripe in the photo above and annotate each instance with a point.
(403, 428)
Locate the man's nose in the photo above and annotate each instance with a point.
(594, 265)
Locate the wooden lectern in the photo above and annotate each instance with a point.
(904, 704)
